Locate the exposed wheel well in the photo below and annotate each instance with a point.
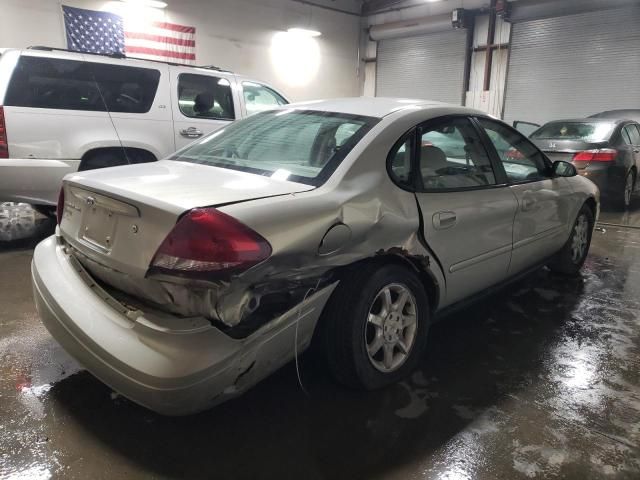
(415, 263)
(114, 156)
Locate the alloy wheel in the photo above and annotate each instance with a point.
(391, 327)
(580, 238)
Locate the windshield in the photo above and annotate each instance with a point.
(300, 146)
(584, 131)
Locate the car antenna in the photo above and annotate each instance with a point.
(106, 107)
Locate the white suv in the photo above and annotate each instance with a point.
(64, 111)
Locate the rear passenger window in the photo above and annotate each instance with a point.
(205, 96)
(399, 161)
(39, 82)
(452, 157)
(258, 98)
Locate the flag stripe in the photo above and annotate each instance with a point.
(159, 38)
(160, 53)
(174, 27)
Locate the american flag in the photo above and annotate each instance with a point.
(104, 32)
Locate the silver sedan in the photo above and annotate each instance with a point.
(352, 223)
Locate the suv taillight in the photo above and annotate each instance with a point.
(4, 143)
(60, 206)
(598, 155)
(206, 243)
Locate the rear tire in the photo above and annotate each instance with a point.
(570, 259)
(375, 326)
(623, 202)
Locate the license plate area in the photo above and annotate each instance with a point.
(98, 218)
(98, 227)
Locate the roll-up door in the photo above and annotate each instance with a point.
(574, 66)
(426, 66)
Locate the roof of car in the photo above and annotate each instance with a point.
(588, 120)
(370, 106)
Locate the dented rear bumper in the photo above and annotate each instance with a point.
(169, 364)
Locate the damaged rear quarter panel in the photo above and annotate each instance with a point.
(381, 216)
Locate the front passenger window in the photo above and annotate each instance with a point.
(258, 98)
(521, 160)
(452, 156)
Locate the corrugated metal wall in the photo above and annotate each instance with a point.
(574, 66)
(426, 66)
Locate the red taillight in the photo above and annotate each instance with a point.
(206, 242)
(599, 155)
(60, 206)
(4, 142)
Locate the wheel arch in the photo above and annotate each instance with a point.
(133, 154)
(420, 265)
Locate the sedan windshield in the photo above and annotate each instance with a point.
(300, 146)
(583, 131)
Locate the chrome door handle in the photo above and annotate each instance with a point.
(191, 132)
(444, 220)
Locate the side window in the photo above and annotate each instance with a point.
(632, 134)
(452, 156)
(40, 82)
(521, 160)
(258, 98)
(205, 96)
(399, 160)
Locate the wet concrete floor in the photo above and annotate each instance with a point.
(540, 381)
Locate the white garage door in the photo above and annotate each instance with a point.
(574, 66)
(426, 66)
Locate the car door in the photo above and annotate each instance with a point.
(545, 210)
(202, 103)
(467, 208)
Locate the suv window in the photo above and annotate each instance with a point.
(634, 136)
(521, 160)
(39, 82)
(452, 156)
(205, 96)
(258, 98)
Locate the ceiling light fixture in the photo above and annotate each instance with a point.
(304, 32)
(146, 3)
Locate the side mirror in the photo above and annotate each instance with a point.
(564, 169)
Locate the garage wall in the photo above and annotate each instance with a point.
(233, 34)
(425, 66)
(574, 66)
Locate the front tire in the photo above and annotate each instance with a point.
(376, 325)
(570, 259)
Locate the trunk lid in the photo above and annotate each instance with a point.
(118, 217)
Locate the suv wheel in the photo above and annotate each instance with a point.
(376, 326)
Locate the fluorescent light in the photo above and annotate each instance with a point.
(147, 3)
(304, 32)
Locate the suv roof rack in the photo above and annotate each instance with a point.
(124, 57)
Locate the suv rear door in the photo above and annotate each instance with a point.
(203, 101)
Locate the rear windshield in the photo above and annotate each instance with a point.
(583, 131)
(300, 146)
(40, 82)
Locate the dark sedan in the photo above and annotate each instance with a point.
(606, 151)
